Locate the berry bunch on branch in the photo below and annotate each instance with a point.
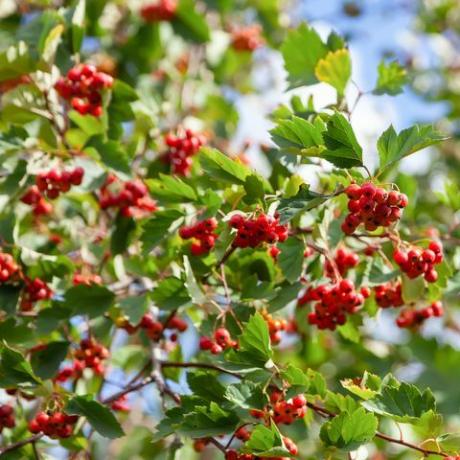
(168, 279)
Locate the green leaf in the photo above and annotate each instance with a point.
(255, 339)
(171, 293)
(302, 49)
(343, 149)
(335, 69)
(285, 294)
(299, 136)
(51, 44)
(367, 388)
(350, 330)
(348, 431)
(92, 300)
(190, 24)
(206, 386)
(391, 78)
(221, 167)
(291, 258)
(193, 288)
(111, 154)
(12, 140)
(120, 108)
(78, 25)
(303, 201)
(122, 233)
(209, 420)
(46, 362)
(245, 395)
(14, 369)
(404, 403)
(254, 187)
(266, 442)
(393, 147)
(16, 61)
(160, 226)
(98, 416)
(412, 289)
(9, 296)
(134, 307)
(310, 382)
(172, 189)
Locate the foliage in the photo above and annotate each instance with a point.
(140, 249)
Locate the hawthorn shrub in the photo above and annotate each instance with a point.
(160, 297)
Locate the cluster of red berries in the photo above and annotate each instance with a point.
(343, 260)
(257, 230)
(418, 261)
(89, 355)
(412, 318)
(82, 87)
(133, 199)
(389, 295)
(8, 267)
(204, 232)
(221, 340)
(286, 412)
(283, 411)
(73, 372)
(153, 327)
(275, 327)
(86, 279)
(34, 290)
(52, 183)
(34, 198)
(333, 302)
(121, 404)
(162, 10)
(247, 38)
(182, 146)
(6, 417)
(372, 206)
(56, 425)
(92, 355)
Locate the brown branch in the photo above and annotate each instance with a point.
(328, 414)
(217, 444)
(225, 257)
(200, 366)
(19, 444)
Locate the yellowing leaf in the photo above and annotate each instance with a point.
(335, 69)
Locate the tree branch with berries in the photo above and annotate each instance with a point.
(164, 283)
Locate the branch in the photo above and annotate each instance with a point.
(129, 389)
(328, 414)
(217, 444)
(22, 443)
(201, 366)
(225, 257)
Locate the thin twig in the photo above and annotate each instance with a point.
(19, 444)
